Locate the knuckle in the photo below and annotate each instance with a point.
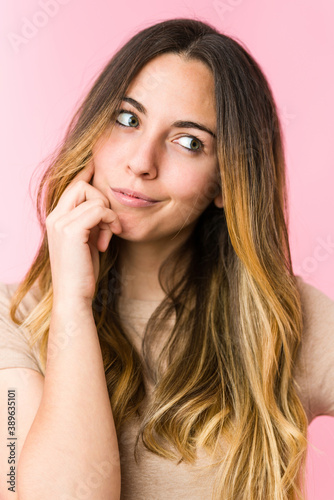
(68, 230)
(80, 184)
(49, 220)
(57, 225)
(98, 202)
(106, 201)
(98, 208)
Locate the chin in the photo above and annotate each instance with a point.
(133, 234)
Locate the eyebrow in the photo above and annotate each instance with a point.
(178, 123)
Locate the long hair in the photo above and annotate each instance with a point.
(224, 373)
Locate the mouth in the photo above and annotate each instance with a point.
(132, 198)
(133, 194)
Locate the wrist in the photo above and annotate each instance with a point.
(73, 305)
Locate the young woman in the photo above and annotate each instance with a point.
(166, 349)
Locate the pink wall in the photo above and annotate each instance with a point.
(52, 49)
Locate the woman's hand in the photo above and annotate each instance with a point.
(80, 226)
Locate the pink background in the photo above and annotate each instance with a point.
(65, 43)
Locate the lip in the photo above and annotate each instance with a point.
(133, 193)
(127, 197)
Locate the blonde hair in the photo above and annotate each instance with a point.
(225, 371)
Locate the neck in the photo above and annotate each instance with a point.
(139, 264)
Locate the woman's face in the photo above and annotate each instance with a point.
(159, 147)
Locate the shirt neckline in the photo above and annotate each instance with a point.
(145, 301)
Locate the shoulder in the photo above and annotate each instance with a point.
(15, 347)
(29, 301)
(4, 293)
(314, 364)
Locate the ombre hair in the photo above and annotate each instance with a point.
(225, 370)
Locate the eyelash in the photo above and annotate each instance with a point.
(195, 151)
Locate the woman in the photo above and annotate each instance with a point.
(164, 305)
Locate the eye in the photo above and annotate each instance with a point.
(128, 119)
(193, 144)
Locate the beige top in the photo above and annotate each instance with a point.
(159, 478)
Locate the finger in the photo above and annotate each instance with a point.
(76, 213)
(79, 192)
(84, 174)
(104, 236)
(85, 220)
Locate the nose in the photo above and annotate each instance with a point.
(144, 157)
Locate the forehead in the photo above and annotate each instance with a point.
(186, 85)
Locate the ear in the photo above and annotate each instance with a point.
(218, 200)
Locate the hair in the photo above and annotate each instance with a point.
(225, 370)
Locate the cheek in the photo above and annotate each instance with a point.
(106, 154)
(104, 167)
(198, 191)
(189, 202)
(101, 175)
